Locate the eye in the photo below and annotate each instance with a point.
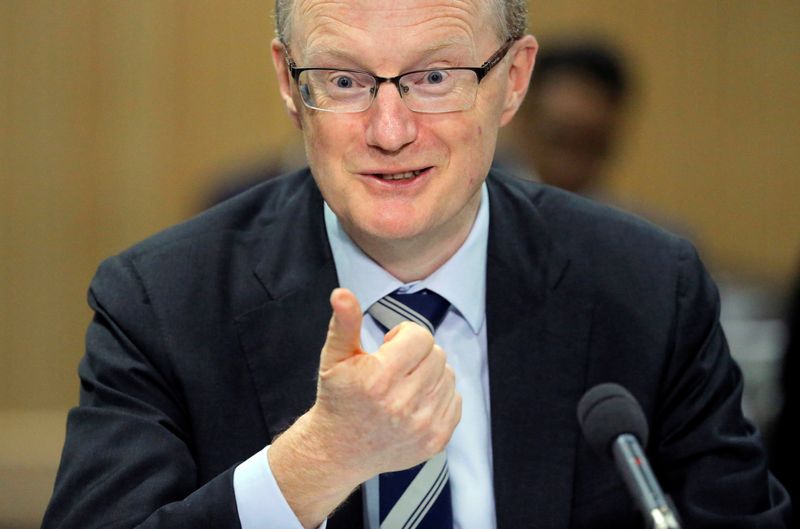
(343, 81)
(435, 77)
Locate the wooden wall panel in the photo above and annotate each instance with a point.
(46, 202)
(117, 117)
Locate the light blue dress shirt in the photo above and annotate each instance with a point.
(462, 334)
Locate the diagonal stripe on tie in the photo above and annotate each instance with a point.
(390, 313)
(442, 480)
(419, 497)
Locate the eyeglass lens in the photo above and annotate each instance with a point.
(430, 91)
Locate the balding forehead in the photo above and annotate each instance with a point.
(399, 10)
(303, 6)
(306, 14)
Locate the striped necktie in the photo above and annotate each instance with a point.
(418, 497)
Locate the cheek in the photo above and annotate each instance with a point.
(329, 138)
(475, 147)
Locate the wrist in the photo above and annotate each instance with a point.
(312, 476)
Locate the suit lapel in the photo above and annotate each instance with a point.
(282, 338)
(538, 328)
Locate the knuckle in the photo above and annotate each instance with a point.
(395, 408)
(376, 387)
(446, 384)
(324, 375)
(422, 425)
(439, 354)
(446, 436)
(437, 442)
(431, 447)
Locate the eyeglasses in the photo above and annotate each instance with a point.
(433, 91)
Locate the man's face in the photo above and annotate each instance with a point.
(387, 172)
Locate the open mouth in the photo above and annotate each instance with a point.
(407, 175)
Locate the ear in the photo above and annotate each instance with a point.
(519, 75)
(285, 81)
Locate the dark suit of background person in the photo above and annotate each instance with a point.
(206, 338)
(784, 445)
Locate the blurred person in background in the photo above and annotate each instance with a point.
(566, 134)
(233, 181)
(568, 125)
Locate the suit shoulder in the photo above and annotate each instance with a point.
(242, 216)
(576, 221)
(219, 248)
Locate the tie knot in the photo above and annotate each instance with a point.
(424, 307)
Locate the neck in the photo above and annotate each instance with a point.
(417, 258)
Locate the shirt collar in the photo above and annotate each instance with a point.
(461, 280)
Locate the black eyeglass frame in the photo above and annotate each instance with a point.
(480, 71)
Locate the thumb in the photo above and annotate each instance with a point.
(344, 331)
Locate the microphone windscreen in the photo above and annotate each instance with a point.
(607, 411)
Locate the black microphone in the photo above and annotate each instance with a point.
(614, 425)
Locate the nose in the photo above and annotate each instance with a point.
(391, 125)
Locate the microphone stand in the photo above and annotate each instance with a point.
(642, 483)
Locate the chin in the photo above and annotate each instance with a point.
(396, 228)
(394, 233)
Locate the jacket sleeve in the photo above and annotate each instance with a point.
(127, 459)
(708, 456)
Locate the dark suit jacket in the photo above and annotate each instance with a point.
(206, 338)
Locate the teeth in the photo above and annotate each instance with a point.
(401, 176)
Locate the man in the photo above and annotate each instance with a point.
(210, 339)
(569, 123)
